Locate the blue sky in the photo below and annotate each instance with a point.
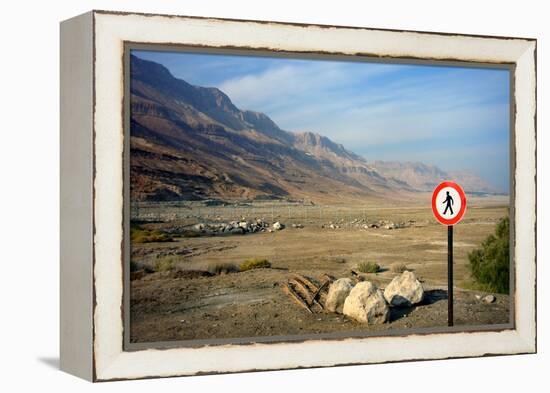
(456, 118)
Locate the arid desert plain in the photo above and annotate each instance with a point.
(175, 294)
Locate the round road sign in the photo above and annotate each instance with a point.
(448, 203)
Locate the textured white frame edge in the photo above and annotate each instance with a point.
(91, 318)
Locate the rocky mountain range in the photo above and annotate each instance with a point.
(191, 143)
(424, 177)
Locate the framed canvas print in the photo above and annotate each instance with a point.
(246, 195)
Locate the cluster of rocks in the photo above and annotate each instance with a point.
(394, 225)
(364, 224)
(337, 224)
(365, 302)
(386, 224)
(237, 227)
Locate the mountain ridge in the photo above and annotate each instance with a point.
(192, 142)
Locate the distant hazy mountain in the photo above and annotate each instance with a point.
(423, 177)
(190, 142)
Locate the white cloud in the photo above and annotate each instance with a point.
(292, 86)
(366, 108)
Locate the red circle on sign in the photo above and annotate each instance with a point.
(462, 210)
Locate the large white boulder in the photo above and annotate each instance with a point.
(404, 290)
(278, 226)
(337, 293)
(199, 227)
(366, 304)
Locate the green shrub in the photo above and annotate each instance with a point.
(490, 264)
(165, 264)
(254, 263)
(222, 268)
(368, 267)
(399, 268)
(139, 235)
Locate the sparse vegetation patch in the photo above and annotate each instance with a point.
(254, 263)
(140, 235)
(165, 264)
(368, 267)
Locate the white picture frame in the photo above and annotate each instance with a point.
(92, 189)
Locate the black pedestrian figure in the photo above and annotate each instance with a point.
(449, 201)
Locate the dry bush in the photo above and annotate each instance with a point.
(165, 264)
(254, 263)
(368, 267)
(222, 268)
(140, 235)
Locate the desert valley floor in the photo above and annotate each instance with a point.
(182, 303)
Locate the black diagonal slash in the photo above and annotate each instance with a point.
(449, 201)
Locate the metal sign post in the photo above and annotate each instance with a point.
(448, 207)
(450, 274)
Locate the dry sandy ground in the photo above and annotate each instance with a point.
(166, 306)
